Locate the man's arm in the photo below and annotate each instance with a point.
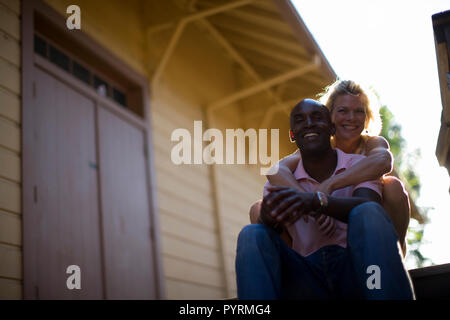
(287, 205)
(339, 207)
(284, 171)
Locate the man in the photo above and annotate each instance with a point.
(360, 259)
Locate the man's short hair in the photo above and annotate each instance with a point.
(311, 101)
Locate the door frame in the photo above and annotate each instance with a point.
(29, 8)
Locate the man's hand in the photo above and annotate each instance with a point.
(327, 225)
(287, 205)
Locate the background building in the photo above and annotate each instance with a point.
(86, 118)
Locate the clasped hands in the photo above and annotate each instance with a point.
(283, 206)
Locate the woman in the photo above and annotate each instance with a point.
(357, 125)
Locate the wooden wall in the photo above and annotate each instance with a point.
(198, 260)
(10, 150)
(199, 223)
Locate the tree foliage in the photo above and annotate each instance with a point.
(404, 164)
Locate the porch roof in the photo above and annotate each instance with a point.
(270, 43)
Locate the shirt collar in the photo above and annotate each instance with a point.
(300, 172)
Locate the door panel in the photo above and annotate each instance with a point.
(125, 210)
(65, 214)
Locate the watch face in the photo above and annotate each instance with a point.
(322, 199)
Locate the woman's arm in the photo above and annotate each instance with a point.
(377, 163)
(284, 175)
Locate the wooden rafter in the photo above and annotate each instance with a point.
(264, 85)
(200, 14)
(180, 28)
(255, 33)
(269, 51)
(237, 57)
(282, 107)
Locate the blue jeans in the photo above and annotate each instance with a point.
(266, 268)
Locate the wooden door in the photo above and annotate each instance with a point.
(86, 181)
(65, 214)
(89, 212)
(129, 264)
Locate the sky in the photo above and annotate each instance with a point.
(389, 45)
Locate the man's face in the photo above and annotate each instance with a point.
(312, 127)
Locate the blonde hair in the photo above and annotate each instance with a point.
(372, 124)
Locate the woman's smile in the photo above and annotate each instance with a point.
(349, 116)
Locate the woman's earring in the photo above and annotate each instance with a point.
(291, 136)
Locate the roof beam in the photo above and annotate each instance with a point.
(268, 51)
(237, 57)
(179, 30)
(200, 14)
(258, 60)
(277, 108)
(261, 35)
(264, 85)
(264, 21)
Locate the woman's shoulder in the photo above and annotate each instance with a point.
(373, 142)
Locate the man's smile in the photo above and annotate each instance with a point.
(310, 135)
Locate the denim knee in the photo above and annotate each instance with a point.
(252, 231)
(368, 215)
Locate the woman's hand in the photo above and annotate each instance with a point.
(326, 186)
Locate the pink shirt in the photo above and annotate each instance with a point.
(306, 236)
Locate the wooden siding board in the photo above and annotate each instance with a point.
(180, 290)
(9, 48)
(205, 206)
(10, 228)
(10, 223)
(184, 176)
(9, 21)
(10, 196)
(166, 120)
(190, 252)
(194, 217)
(10, 289)
(184, 229)
(9, 105)
(162, 159)
(9, 135)
(185, 190)
(9, 76)
(13, 5)
(182, 270)
(10, 165)
(11, 258)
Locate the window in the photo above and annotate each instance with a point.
(102, 86)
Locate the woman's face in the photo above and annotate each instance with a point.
(349, 116)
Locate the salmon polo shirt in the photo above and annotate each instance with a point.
(306, 236)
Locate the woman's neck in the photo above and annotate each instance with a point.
(346, 145)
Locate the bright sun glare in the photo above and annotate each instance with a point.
(389, 45)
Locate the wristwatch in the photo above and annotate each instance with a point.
(323, 201)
